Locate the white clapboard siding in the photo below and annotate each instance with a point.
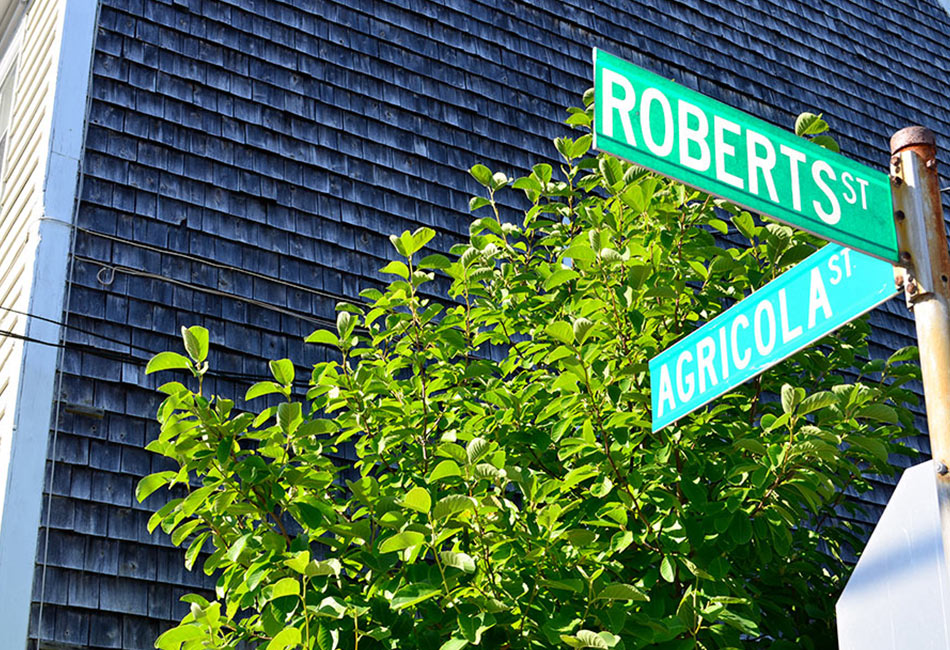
(24, 169)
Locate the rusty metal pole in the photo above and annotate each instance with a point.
(925, 276)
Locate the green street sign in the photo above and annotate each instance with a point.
(680, 133)
(831, 287)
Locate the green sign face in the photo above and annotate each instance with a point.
(702, 142)
(819, 295)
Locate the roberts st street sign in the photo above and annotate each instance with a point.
(682, 134)
(819, 295)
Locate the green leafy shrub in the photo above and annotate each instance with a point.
(507, 490)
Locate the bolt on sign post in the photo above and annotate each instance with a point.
(680, 133)
(831, 287)
(924, 272)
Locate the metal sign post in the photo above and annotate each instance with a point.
(925, 276)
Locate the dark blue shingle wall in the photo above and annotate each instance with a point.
(246, 160)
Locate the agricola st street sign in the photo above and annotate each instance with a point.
(833, 286)
(680, 133)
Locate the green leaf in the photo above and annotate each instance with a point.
(881, 412)
(413, 594)
(262, 388)
(827, 142)
(561, 331)
(151, 483)
(528, 184)
(167, 361)
(400, 541)
(299, 562)
(621, 591)
(289, 637)
(234, 552)
(810, 124)
(196, 342)
(543, 171)
(586, 639)
(325, 337)
(331, 607)
(580, 252)
(581, 146)
(751, 444)
(741, 623)
(444, 469)
(789, 401)
(582, 327)
(289, 416)
(420, 238)
(452, 504)
(283, 371)
(183, 531)
(173, 638)
(191, 555)
(326, 640)
(454, 644)
(816, 401)
(399, 243)
(461, 561)
(396, 268)
(435, 261)
(908, 353)
(559, 277)
(744, 223)
(667, 570)
(281, 588)
(345, 322)
(482, 174)
(418, 499)
(331, 567)
(611, 169)
(476, 450)
(477, 202)
(366, 489)
(719, 225)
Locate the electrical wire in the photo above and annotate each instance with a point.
(206, 262)
(216, 292)
(123, 357)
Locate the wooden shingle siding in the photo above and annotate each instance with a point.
(246, 161)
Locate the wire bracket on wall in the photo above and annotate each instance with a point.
(102, 280)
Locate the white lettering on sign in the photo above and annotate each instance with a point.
(817, 298)
(724, 149)
(650, 96)
(740, 361)
(666, 391)
(677, 132)
(688, 133)
(705, 350)
(697, 135)
(818, 168)
(722, 356)
(684, 392)
(622, 105)
(787, 334)
(864, 197)
(763, 164)
(764, 348)
(795, 158)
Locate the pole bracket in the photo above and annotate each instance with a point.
(918, 281)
